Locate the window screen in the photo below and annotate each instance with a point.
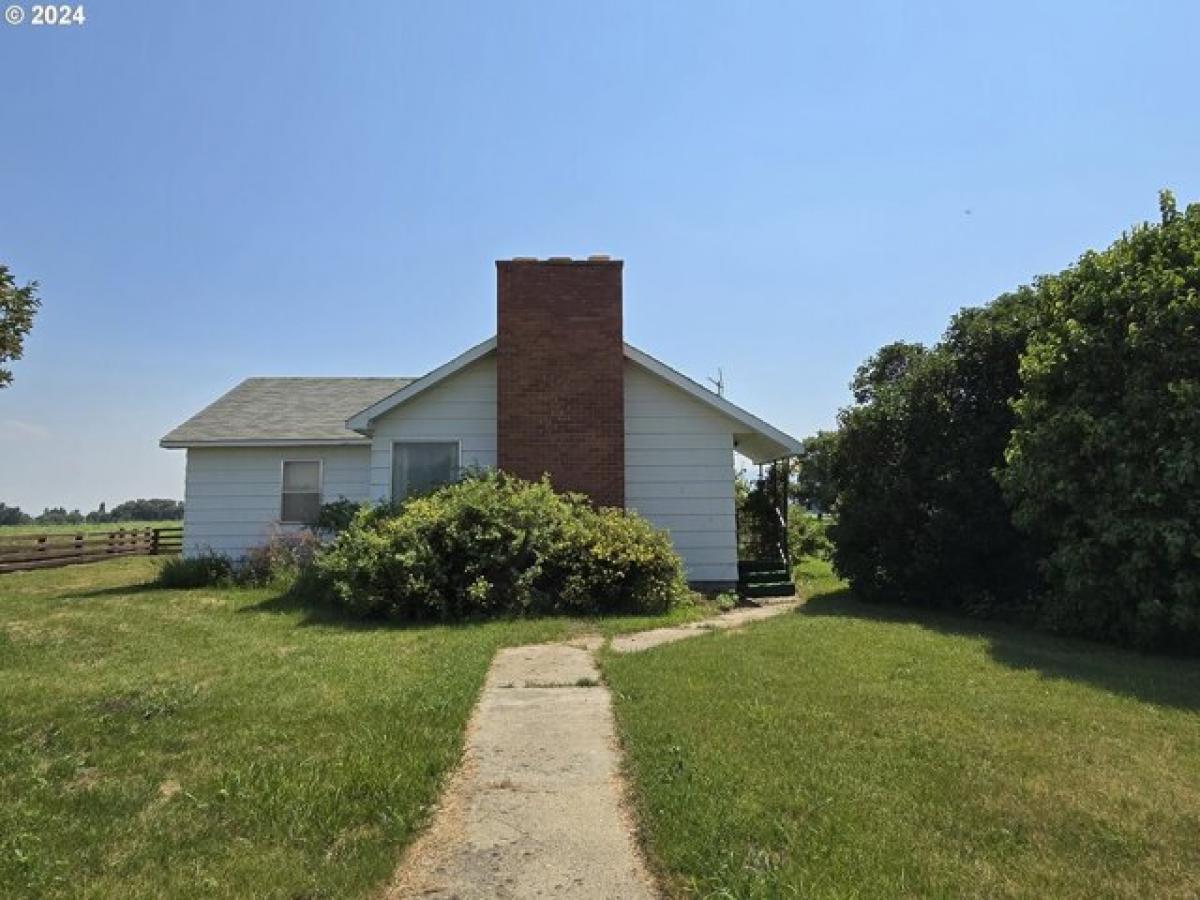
(420, 467)
(301, 495)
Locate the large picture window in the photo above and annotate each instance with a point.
(421, 466)
(300, 500)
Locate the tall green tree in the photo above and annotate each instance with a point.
(154, 510)
(813, 485)
(12, 515)
(920, 517)
(58, 515)
(17, 308)
(1104, 460)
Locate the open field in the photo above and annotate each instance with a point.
(104, 528)
(223, 742)
(851, 750)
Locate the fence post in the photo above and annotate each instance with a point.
(154, 542)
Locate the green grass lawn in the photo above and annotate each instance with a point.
(857, 751)
(85, 528)
(223, 742)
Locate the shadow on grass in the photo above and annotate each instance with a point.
(314, 611)
(320, 613)
(317, 612)
(116, 590)
(1164, 680)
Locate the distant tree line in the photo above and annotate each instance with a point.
(1042, 461)
(155, 510)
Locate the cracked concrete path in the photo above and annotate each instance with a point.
(644, 640)
(537, 807)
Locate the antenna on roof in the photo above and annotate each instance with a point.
(719, 382)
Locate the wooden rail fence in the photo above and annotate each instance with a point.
(45, 551)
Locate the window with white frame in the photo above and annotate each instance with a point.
(421, 466)
(300, 496)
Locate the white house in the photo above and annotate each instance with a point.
(556, 391)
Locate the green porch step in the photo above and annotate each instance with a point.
(774, 589)
(759, 578)
(765, 577)
(760, 565)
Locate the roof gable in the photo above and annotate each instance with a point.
(280, 411)
(361, 420)
(755, 438)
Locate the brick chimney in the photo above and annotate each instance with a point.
(560, 374)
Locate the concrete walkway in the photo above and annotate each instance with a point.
(644, 640)
(537, 807)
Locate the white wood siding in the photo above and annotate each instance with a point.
(678, 467)
(679, 472)
(232, 494)
(461, 408)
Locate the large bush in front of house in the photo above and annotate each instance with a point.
(493, 544)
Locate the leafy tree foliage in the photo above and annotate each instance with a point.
(1104, 461)
(1044, 457)
(12, 515)
(58, 515)
(920, 518)
(154, 510)
(807, 536)
(761, 532)
(813, 485)
(17, 308)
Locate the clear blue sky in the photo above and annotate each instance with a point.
(211, 190)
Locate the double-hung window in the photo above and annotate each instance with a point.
(300, 496)
(420, 466)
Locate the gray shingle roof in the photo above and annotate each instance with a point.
(285, 409)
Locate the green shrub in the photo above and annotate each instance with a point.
(335, 517)
(613, 560)
(726, 600)
(284, 558)
(493, 544)
(807, 536)
(208, 569)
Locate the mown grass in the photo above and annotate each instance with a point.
(853, 750)
(84, 528)
(222, 743)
